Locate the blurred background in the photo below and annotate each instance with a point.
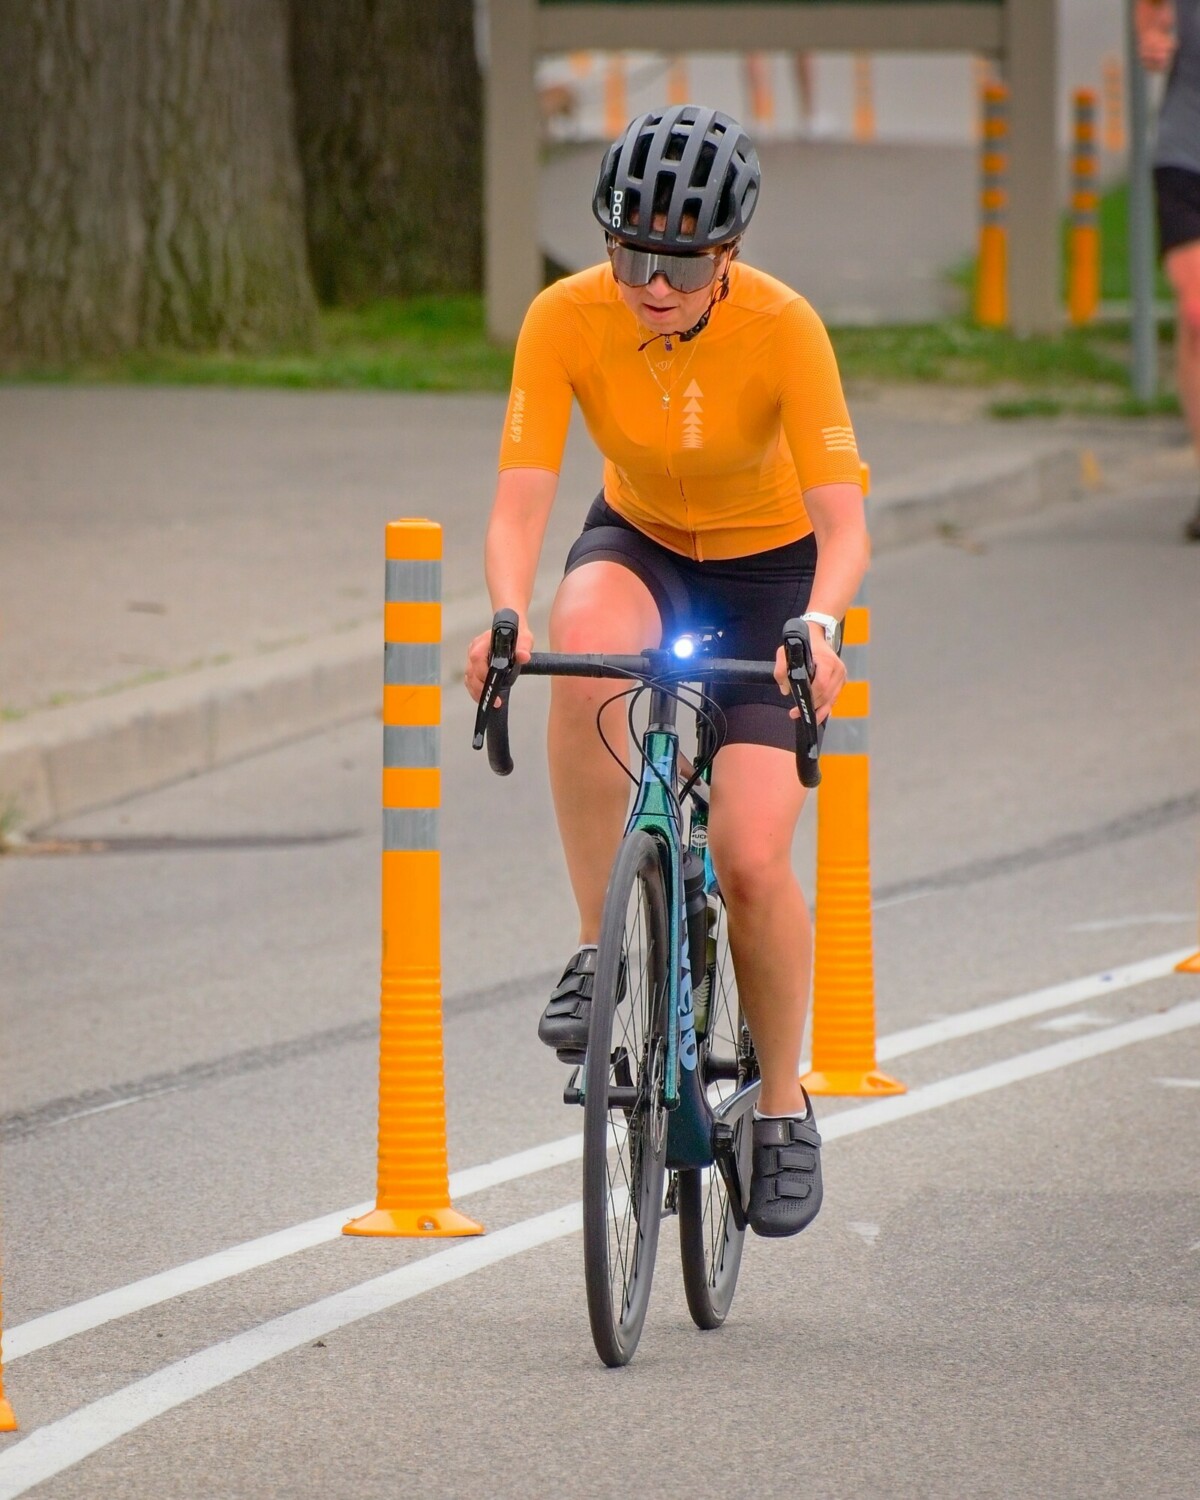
(302, 181)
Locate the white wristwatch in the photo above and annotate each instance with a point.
(827, 623)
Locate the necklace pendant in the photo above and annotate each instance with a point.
(666, 401)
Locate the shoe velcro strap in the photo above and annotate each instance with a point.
(578, 977)
(788, 1159)
(571, 985)
(790, 1187)
(567, 1005)
(795, 1159)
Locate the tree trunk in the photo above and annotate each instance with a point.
(150, 194)
(389, 122)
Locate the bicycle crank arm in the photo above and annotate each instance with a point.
(726, 1159)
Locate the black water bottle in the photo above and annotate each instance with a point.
(695, 904)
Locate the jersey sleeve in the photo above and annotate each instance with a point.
(813, 410)
(539, 402)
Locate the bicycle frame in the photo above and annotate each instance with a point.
(658, 810)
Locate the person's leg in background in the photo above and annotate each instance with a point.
(1182, 265)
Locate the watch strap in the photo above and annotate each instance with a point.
(828, 623)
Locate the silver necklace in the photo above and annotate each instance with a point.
(678, 375)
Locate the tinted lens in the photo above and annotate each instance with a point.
(686, 273)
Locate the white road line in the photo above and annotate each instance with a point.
(38, 1333)
(1179, 1083)
(56, 1447)
(1011, 1070)
(1151, 919)
(1037, 1003)
(1075, 1020)
(60, 1445)
(80, 1317)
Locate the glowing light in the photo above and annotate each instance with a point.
(684, 647)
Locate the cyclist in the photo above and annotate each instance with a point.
(1168, 34)
(732, 498)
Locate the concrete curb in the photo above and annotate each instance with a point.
(998, 486)
(69, 760)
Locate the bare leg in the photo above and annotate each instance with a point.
(600, 606)
(1183, 270)
(756, 802)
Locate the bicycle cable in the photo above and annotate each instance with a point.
(680, 695)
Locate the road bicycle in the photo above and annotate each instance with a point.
(669, 1078)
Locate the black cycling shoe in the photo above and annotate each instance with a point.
(564, 1023)
(1191, 529)
(785, 1188)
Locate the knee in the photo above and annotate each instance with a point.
(751, 875)
(577, 625)
(603, 607)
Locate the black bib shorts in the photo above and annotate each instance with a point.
(1177, 195)
(748, 598)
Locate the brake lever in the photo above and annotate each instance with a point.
(800, 670)
(491, 717)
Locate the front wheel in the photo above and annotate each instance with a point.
(624, 1119)
(709, 1240)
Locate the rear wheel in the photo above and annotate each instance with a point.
(709, 1239)
(625, 1119)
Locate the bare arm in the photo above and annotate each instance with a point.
(843, 552)
(1154, 23)
(520, 511)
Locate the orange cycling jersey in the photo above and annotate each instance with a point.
(707, 449)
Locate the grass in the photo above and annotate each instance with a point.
(1083, 371)
(441, 344)
(10, 823)
(425, 344)
(1114, 249)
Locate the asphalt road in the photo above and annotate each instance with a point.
(1000, 1296)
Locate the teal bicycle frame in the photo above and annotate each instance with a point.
(658, 810)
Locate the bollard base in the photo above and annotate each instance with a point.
(846, 1081)
(1189, 965)
(8, 1422)
(414, 1223)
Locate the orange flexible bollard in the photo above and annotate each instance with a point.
(991, 291)
(1114, 106)
(762, 95)
(1189, 965)
(8, 1422)
(616, 94)
(677, 81)
(843, 1018)
(864, 97)
(413, 1196)
(1083, 295)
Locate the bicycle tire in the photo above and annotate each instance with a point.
(710, 1242)
(624, 1144)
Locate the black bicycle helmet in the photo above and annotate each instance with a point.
(687, 163)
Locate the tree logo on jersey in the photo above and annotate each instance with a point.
(693, 416)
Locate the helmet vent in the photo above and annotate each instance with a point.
(704, 164)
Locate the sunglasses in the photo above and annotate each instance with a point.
(685, 273)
